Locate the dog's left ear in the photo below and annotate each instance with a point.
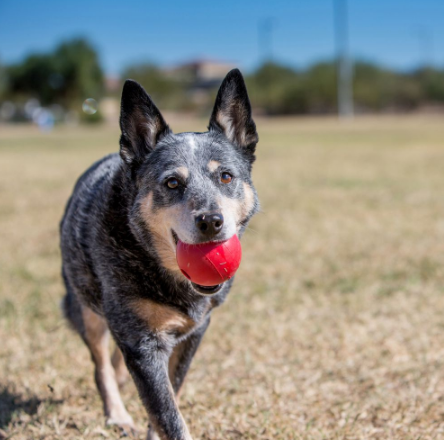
(141, 123)
(232, 113)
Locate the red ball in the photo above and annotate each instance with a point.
(209, 264)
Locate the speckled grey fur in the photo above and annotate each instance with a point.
(109, 255)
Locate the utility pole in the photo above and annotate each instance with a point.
(425, 44)
(344, 65)
(265, 33)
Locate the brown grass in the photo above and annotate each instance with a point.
(335, 326)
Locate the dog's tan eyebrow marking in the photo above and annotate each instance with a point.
(213, 165)
(183, 171)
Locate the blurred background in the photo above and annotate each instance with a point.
(299, 58)
(334, 326)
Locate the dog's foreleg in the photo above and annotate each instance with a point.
(122, 374)
(96, 337)
(146, 357)
(182, 356)
(179, 364)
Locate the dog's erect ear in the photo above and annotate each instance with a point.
(141, 123)
(232, 113)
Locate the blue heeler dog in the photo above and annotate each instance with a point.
(118, 241)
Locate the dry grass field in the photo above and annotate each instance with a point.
(335, 326)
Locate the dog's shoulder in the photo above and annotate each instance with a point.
(97, 175)
(90, 185)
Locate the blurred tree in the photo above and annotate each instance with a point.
(407, 93)
(277, 89)
(432, 83)
(3, 81)
(77, 73)
(67, 76)
(373, 87)
(376, 89)
(31, 79)
(165, 91)
(320, 86)
(72, 73)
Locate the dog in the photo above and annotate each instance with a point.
(118, 242)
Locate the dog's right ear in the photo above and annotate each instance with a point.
(141, 123)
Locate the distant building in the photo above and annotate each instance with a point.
(112, 84)
(199, 79)
(201, 74)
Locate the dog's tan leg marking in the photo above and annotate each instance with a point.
(163, 319)
(122, 373)
(97, 339)
(213, 165)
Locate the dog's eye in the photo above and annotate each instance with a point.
(172, 183)
(226, 177)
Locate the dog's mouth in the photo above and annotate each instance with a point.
(206, 290)
(203, 290)
(175, 237)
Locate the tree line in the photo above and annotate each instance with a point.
(72, 72)
(283, 90)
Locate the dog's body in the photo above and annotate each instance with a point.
(118, 239)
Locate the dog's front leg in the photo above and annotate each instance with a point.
(182, 356)
(147, 361)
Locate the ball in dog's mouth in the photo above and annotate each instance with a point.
(204, 290)
(208, 265)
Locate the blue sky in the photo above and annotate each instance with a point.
(397, 33)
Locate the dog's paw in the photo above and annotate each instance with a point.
(126, 432)
(125, 424)
(152, 435)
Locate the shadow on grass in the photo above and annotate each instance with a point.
(12, 402)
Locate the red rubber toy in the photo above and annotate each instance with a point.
(209, 264)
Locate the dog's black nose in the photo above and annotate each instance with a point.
(209, 224)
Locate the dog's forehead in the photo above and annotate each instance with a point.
(194, 150)
(199, 144)
(195, 155)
